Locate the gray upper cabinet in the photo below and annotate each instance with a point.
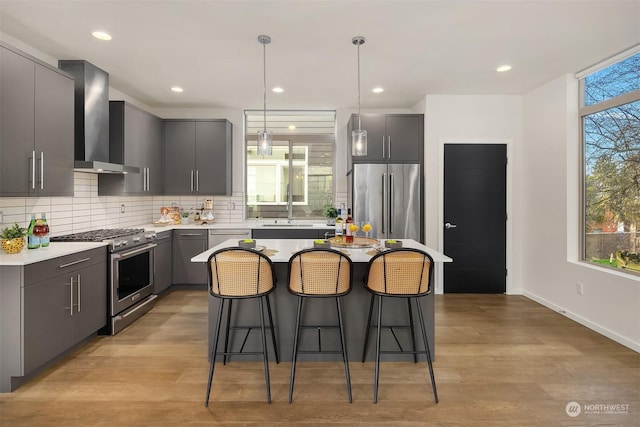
(391, 138)
(36, 136)
(197, 157)
(135, 139)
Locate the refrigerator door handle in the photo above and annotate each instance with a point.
(384, 199)
(390, 203)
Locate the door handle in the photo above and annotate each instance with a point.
(390, 199)
(191, 179)
(197, 179)
(42, 170)
(33, 170)
(449, 225)
(389, 142)
(383, 146)
(78, 286)
(384, 198)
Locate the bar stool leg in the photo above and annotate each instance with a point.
(413, 334)
(366, 332)
(264, 351)
(273, 333)
(376, 375)
(226, 336)
(426, 346)
(294, 356)
(216, 334)
(344, 350)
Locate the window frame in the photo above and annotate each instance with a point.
(583, 112)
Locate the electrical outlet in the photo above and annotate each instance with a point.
(122, 208)
(579, 288)
(1, 218)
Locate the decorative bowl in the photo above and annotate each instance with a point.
(248, 245)
(392, 245)
(321, 244)
(12, 246)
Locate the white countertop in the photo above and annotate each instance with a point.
(286, 248)
(55, 249)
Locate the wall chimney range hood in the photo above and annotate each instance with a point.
(91, 114)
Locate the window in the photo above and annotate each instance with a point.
(296, 181)
(610, 115)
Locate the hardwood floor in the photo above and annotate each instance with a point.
(501, 361)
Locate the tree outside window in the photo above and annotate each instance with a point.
(611, 137)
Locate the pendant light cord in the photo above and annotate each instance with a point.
(359, 123)
(264, 74)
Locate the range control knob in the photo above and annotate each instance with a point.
(150, 236)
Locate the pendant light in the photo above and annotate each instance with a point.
(358, 136)
(265, 137)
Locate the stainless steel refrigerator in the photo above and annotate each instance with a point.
(390, 197)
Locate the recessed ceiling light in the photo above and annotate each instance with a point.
(292, 127)
(378, 90)
(177, 89)
(503, 68)
(101, 35)
(277, 89)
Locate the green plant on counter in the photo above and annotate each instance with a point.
(184, 214)
(330, 212)
(14, 232)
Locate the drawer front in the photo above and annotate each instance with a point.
(34, 273)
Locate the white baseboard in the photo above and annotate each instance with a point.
(585, 322)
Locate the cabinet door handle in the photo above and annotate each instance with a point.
(70, 296)
(73, 263)
(191, 179)
(383, 146)
(33, 169)
(197, 180)
(78, 285)
(42, 170)
(148, 180)
(190, 234)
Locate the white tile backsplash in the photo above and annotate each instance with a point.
(88, 211)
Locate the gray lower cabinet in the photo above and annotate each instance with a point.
(163, 262)
(135, 139)
(197, 157)
(395, 138)
(64, 308)
(289, 233)
(37, 132)
(188, 243)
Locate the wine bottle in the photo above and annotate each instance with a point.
(347, 222)
(33, 241)
(44, 233)
(338, 228)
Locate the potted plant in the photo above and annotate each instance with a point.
(13, 239)
(331, 214)
(185, 217)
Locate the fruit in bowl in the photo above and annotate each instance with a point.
(13, 239)
(392, 243)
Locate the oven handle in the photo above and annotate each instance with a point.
(136, 251)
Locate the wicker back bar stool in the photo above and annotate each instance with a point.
(399, 273)
(319, 273)
(241, 274)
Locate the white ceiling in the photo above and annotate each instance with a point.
(412, 48)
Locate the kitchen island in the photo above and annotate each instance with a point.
(355, 307)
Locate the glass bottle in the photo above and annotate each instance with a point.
(338, 228)
(33, 241)
(347, 223)
(43, 230)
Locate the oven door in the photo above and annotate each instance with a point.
(131, 277)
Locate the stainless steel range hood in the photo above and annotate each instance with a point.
(92, 119)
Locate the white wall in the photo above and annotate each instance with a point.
(471, 119)
(549, 245)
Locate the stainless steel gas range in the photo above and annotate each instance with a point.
(131, 272)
